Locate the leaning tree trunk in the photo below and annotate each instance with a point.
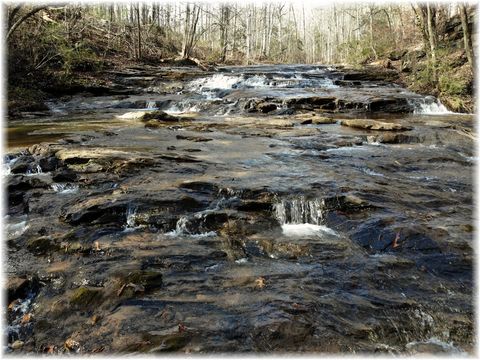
(21, 19)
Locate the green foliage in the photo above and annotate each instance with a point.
(451, 85)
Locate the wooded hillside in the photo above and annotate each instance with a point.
(431, 44)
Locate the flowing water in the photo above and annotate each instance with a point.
(257, 222)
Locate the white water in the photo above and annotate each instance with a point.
(227, 82)
(300, 217)
(299, 230)
(7, 166)
(151, 105)
(371, 172)
(35, 171)
(181, 228)
(439, 346)
(14, 230)
(430, 106)
(299, 211)
(131, 212)
(65, 188)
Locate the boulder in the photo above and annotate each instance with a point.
(396, 54)
(49, 163)
(22, 164)
(20, 287)
(266, 107)
(368, 124)
(320, 120)
(23, 183)
(159, 115)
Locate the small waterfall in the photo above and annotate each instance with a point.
(131, 215)
(299, 211)
(185, 226)
(151, 105)
(37, 170)
(429, 106)
(7, 165)
(64, 188)
(300, 217)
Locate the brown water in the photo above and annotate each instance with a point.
(237, 231)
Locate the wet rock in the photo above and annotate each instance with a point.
(48, 164)
(148, 279)
(95, 212)
(17, 344)
(22, 165)
(179, 158)
(416, 239)
(266, 107)
(313, 102)
(347, 83)
(374, 235)
(391, 105)
(252, 205)
(42, 245)
(206, 222)
(287, 335)
(431, 346)
(159, 115)
(371, 73)
(373, 125)
(200, 186)
(394, 138)
(345, 203)
(193, 138)
(64, 175)
(83, 297)
(169, 343)
(42, 150)
(320, 120)
(449, 266)
(21, 287)
(23, 183)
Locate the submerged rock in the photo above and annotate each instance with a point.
(42, 245)
(83, 297)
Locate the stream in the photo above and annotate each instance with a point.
(289, 208)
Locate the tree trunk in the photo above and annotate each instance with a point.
(22, 19)
(139, 35)
(467, 37)
(432, 39)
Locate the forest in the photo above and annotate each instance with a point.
(430, 44)
(238, 177)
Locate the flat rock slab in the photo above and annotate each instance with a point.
(374, 125)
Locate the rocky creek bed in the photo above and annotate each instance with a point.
(263, 208)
